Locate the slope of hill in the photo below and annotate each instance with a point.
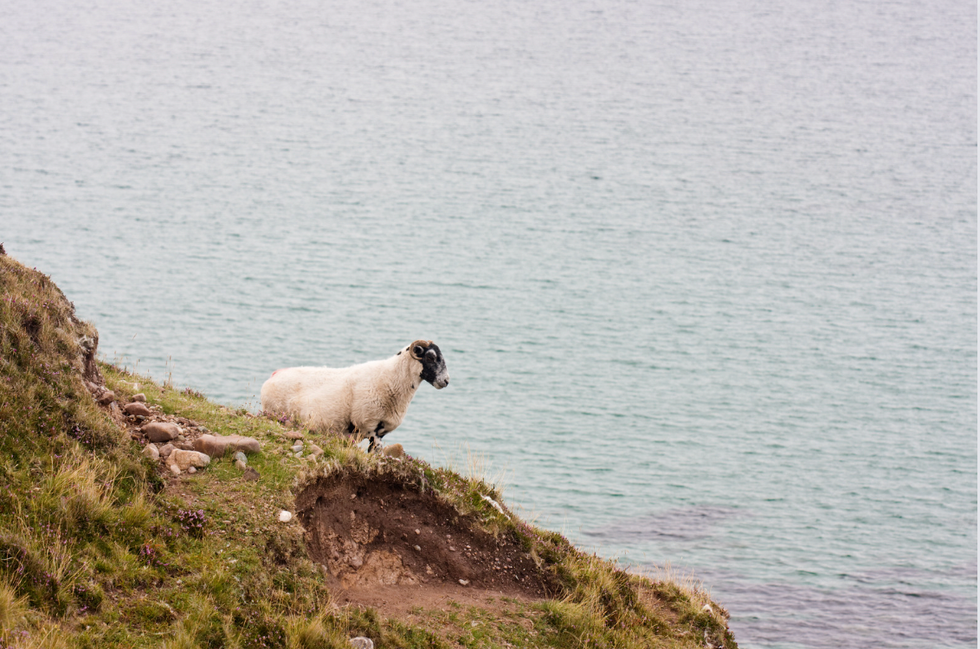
(103, 545)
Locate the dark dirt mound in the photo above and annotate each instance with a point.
(376, 532)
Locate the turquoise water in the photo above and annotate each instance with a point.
(704, 276)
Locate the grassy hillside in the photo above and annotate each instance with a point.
(102, 547)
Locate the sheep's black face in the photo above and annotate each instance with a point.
(433, 364)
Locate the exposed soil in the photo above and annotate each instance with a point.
(387, 545)
(384, 544)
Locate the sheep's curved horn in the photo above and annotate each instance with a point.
(417, 349)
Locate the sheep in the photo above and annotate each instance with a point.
(366, 400)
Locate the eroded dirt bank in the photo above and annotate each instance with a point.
(380, 538)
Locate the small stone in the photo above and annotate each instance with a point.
(251, 475)
(315, 450)
(136, 408)
(152, 452)
(241, 466)
(464, 582)
(418, 531)
(418, 548)
(240, 457)
(139, 397)
(221, 445)
(107, 397)
(160, 431)
(452, 549)
(166, 450)
(186, 459)
(298, 446)
(360, 642)
(292, 434)
(191, 469)
(285, 517)
(174, 469)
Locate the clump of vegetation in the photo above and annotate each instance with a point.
(98, 549)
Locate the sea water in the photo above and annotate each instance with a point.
(704, 273)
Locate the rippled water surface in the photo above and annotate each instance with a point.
(704, 274)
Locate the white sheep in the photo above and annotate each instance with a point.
(366, 400)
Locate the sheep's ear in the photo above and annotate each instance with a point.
(417, 351)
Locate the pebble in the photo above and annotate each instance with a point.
(136, 408)
(240, 457)
(160, 431)
(221, 445)
(285, 517)
(360, 642)
(174, 469)
(292, 434)
(152, 452)
(315, 450)
(139, 397)
(166, 450)
(186, 459)
(241, 466)
(107, 397)
(464, 582)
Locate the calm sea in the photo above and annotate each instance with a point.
(704, 273)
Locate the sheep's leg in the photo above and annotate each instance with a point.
(375, 438)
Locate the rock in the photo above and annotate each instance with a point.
(221, 445)
(464, 582)
(395, 450)
(141, 398)
(174, 469)
(191, 469)
(160, 431)
(186, 459)
(292, 434)
(241, 466)
(251, 475)
(106, 397)
(360, 642)
(240, 457)
(166, 450)
(136, 408)
(297, 447)
(314, 450)
(152, 452)
(285, 517)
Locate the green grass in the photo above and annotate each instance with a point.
(96, 552)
